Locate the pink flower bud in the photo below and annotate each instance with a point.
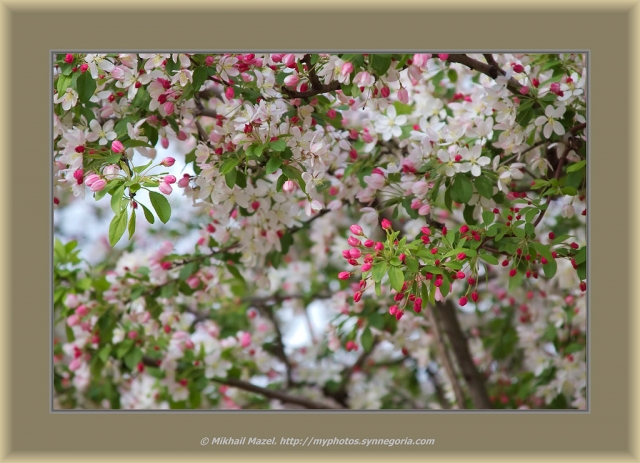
(420, 59)
(75, 364)
(208, 60)
(169, 107)
(462, 256)
(443, 56)
(168, 162)
(164, 142)
(82, 310)
(518, 68)
(331, 113)
(73, 320)
(68, 58)
(356, 230)
(403, 95)
(84, 68)
(169, 179)
(245, 339)
(344, 275)
(291, 80)
(347, 68)
(386, 224)
(165, 188)
(354, 253)
(369, 244)
(132, 334)
(393, 309)
(288, 186)
(229, 93)
(353, 241)
(98, 185)
(365, 267)
(71, 301)
(555, 87)
(424, 210)
(379, 246)
(117, 146)
(463, 301)
(346, 254)
(399, 315)
(78, 174)
(385, 92)
(184, 181)
(524, 89)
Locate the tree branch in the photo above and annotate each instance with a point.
(491, 70)
(446, 358)
(270, 393)
(447, 314)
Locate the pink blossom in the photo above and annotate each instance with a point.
(168, 162)
(169, 179)
(165, 188)
(403, 95)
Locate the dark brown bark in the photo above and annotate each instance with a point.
(460, 347)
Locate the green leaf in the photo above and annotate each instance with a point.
(278, 145)
(380, 63)
(379, 271)
(63, 83)
(396, 278)
(132, 223)
(85, 87)
(468, 214)
(273, 164)
(117, 227)
(283, 178)
(116, 199)
(147, 214)
(367, 339)
(199, 76)
(452, 75)
(488, 217)
(446, 286)
(582, 271)
(124, 347)
(577, 166)
(134, 357)
(581, 256)
(462, 189)
(294, 174)
(286, 241)
(551, 266)
(516, 280)
(241, 179)
(228, 165)
(187, 270)
(230, 178)
(488, 258)
(161, 205)
(104, 353)
(484, 186)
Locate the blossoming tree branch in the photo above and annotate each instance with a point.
(431, 206)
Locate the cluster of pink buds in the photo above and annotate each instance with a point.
(350, 345)
(95, 182)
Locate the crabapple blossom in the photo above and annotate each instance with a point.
(328, 205)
